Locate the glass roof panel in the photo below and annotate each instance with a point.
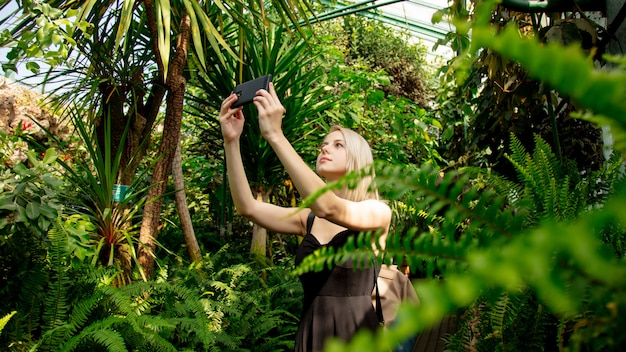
(414, 16)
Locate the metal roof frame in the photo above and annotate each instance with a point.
(376, 10)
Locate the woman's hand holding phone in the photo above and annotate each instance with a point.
(271, 113)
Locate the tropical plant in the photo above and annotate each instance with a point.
(5, 319)
(550, 190)
(579, 81)
(112, 208)
(28, 199)
(30, 186)
(81, 309)
(215, 304)
(382, 47)
(113, 46)
(296, 78)
(255, 305)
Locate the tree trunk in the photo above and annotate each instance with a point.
(183, 210)
(142, 117)
(176, 84)
(142, 114)
(259, 234)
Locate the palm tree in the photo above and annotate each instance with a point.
(123, 67)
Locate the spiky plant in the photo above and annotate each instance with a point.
(93, 174)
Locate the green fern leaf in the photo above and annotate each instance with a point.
(5, 319)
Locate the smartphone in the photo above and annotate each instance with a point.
(247, 90)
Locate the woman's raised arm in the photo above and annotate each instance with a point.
(269, 216)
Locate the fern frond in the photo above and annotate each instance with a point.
(5, 319)
(31, 295)
(451, 195)
(147, 331)
(468, 216)
(110, 339)
(552, 185)
(498, 316)
(56, 307)
(520, 159)
(102, 333)
(82, 310)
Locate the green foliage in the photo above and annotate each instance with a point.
(254, 307)
(569, 71)
(5, 319)
(488, 94)
(203, 180)
(372, 100)
(41, 299)
(49, 41)
(550, 184)
(563, 67)
(387, 49)
(93, 177)
(515, 321)
(28, 202)
(217, 304)
(49, 30)
(69, 241)
(81, 310)
(29, 206)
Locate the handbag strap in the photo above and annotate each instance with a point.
(309, 222)
(379, 306)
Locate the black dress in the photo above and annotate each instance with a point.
(337, 301)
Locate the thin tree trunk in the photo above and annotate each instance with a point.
(259, 234)
(193, 249)
(176, 84)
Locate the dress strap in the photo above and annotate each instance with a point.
(309, 222)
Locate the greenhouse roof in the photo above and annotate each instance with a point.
(413, 16)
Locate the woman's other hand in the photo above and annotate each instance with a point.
(231, 119)
(271, 112)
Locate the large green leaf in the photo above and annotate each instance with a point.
(32, 210)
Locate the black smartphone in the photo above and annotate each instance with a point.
(247, 90)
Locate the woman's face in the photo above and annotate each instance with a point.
(333, 157)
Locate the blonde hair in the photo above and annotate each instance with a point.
(359, 156)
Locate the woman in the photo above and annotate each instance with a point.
(337, 301)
